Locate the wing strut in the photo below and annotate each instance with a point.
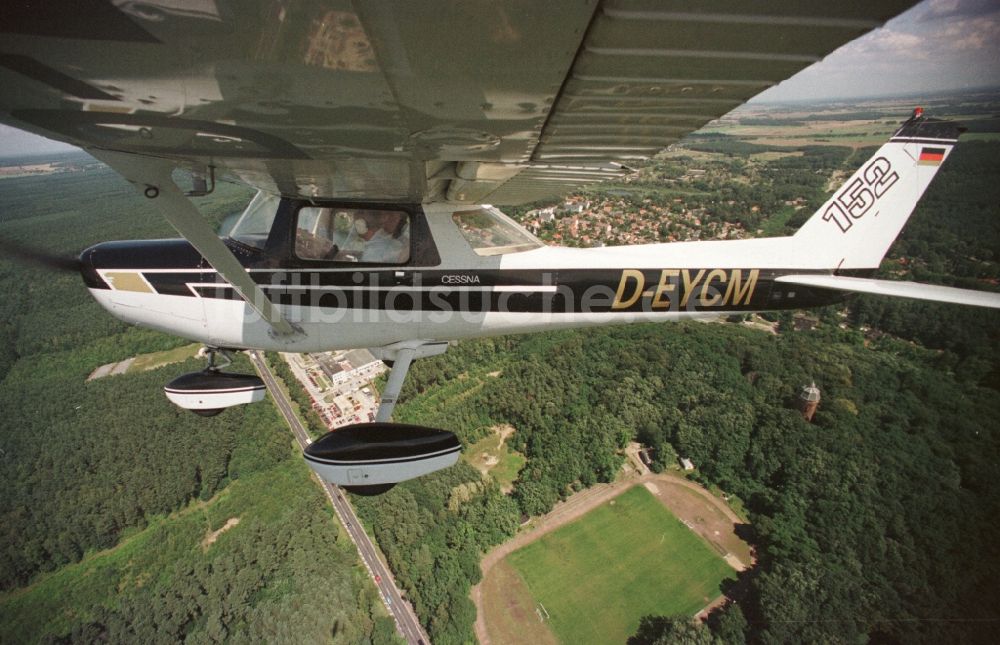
(152, 177)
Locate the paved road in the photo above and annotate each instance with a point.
(401, 611)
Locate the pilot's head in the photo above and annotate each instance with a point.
(392, 223)
(366, 224)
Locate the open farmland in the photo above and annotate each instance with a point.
(595, 578)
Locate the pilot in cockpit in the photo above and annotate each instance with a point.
(316, 236)
(370, 236)
(378, 237)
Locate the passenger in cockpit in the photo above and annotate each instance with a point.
(376, 237)
(352, 241)
(381, 242)
(396, 226)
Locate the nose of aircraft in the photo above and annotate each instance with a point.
(136, 255)
(88, 269)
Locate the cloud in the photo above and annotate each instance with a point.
(937, 10)
(881, 43)
(938, 45)
(932, 29)
(968, 34)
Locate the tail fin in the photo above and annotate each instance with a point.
(854, 229)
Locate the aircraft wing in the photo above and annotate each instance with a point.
(505, 101)
(933, 292)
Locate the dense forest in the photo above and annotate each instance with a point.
(113, 497)
(856, 517)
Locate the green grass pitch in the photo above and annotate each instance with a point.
(597, 576)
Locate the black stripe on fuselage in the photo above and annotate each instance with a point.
(516, 291)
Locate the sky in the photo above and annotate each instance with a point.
(937, 46)
(18, 142)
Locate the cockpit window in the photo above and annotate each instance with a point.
(490, 232)
(352, 235)
(254, 225)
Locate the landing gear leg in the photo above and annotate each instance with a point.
(210, 391)
(401, 355)
(212, 352)
(400, 367)
(371, 458)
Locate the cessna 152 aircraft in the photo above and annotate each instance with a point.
(382, 137)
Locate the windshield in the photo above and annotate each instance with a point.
(254, 225)
(490, 232)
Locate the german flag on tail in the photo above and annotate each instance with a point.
(931, 156)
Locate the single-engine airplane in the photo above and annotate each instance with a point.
(383, 136)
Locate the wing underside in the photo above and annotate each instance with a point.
(507, 101)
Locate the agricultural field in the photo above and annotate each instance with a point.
(593, 580)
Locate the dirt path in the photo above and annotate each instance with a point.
(632, 452)
(584, 501)
(707, 496)
(212, 536)
(482, 635)
(707, 609)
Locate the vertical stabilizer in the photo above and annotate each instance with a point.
(855, 227)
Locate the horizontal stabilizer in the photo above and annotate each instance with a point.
(915, 290)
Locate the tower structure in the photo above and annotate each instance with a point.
(808, 401)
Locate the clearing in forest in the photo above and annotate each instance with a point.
(492, 455)
(145, 362)
(594, 579)
(159, 359)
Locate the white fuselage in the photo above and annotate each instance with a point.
(469, 291)
(454, 291)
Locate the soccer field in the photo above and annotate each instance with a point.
(630, 557)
